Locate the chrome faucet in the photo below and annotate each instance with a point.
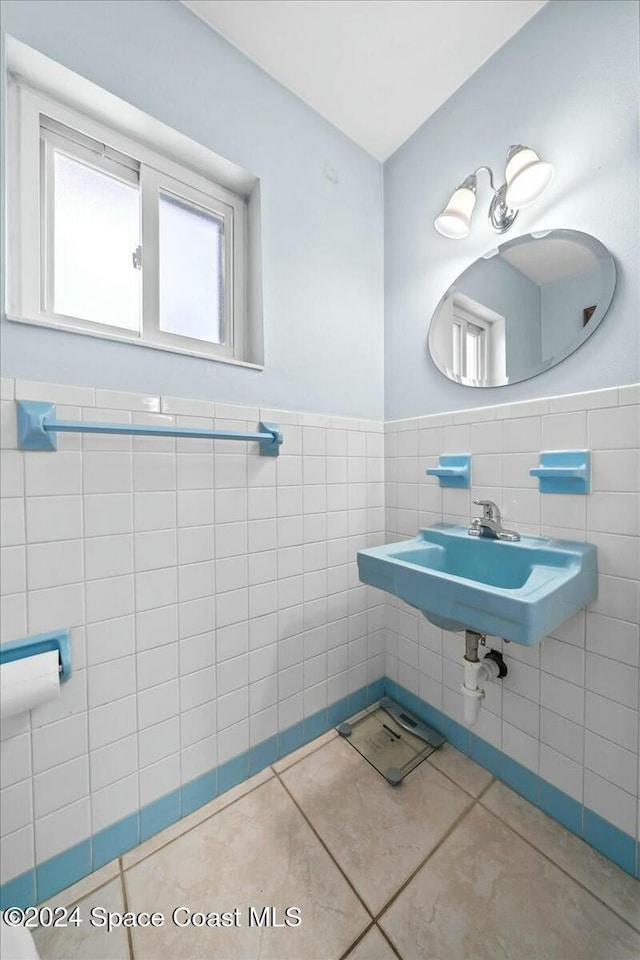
(490, 523)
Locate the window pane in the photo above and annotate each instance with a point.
(96, 232)
(457, 348)
(191, 271)
(474, 351)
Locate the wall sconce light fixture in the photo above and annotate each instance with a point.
(526, 178)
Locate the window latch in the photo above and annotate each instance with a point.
(136, 258)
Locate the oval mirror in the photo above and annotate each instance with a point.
(522, 308)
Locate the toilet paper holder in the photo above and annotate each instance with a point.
(41, 643)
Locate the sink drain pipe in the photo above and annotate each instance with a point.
(477, 672)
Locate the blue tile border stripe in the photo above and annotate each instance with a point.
(71, 865)
(159, 814)
(19, 892)
(199, 791)
(114, 840)
(618, 846)
(68, 867)
(609, 840)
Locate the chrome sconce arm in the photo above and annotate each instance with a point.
(526, 178)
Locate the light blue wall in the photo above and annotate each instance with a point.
(567, 85)
(563, 303)
(322, 242)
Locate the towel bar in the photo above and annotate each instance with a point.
(37, 427)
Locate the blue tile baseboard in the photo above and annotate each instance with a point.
(114, 840)
(608, 839)
(19, 892)
(71, 865)
(58, 873)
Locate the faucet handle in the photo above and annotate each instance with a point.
(490, 510)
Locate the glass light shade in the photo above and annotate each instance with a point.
(455, 220)
(527, 178)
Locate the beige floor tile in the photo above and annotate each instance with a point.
(607, 881)
(486, 894)
(258, 852)
(85, 886)
(87, 942)
(198, 816)
(308, 748)
(372, 947)
(463, 771)
(378, 834)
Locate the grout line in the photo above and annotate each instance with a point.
(358, 940)
(69, 902)
(417, 870)
(559, 866)
(131, 495)
(321, 841)
(403, 886)
(300, 759)
(30, 731)
(366, 931)
(485, 791)
(389, 941)
(584, 734)
(204, 820)
(455, 782)
(125, 902)
(195, 826)
(87, 724)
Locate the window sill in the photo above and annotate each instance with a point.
(52, 325)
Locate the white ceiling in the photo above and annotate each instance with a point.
(555, 259)
(376, 69)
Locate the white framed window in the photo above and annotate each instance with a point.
(109, 238)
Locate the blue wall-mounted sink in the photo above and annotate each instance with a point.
(520, 591)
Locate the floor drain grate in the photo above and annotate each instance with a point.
(391, 739)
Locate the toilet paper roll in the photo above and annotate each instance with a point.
(26, 683)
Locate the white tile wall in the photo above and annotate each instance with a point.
(569, 707)
(213, 596)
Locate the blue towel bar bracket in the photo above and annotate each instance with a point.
(454, 470)
(564, 471)
(37, 429)
(41, 643)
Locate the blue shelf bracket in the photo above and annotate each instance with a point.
(41, 643)
(564, 471)
(454, 470)
(38, 426)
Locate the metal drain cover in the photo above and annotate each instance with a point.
(391, 739)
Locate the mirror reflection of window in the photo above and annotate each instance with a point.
(476, 353)
(458, 366)
(469, 348)
(521, 308)
(477, 344)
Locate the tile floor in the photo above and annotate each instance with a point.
(449, 865)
